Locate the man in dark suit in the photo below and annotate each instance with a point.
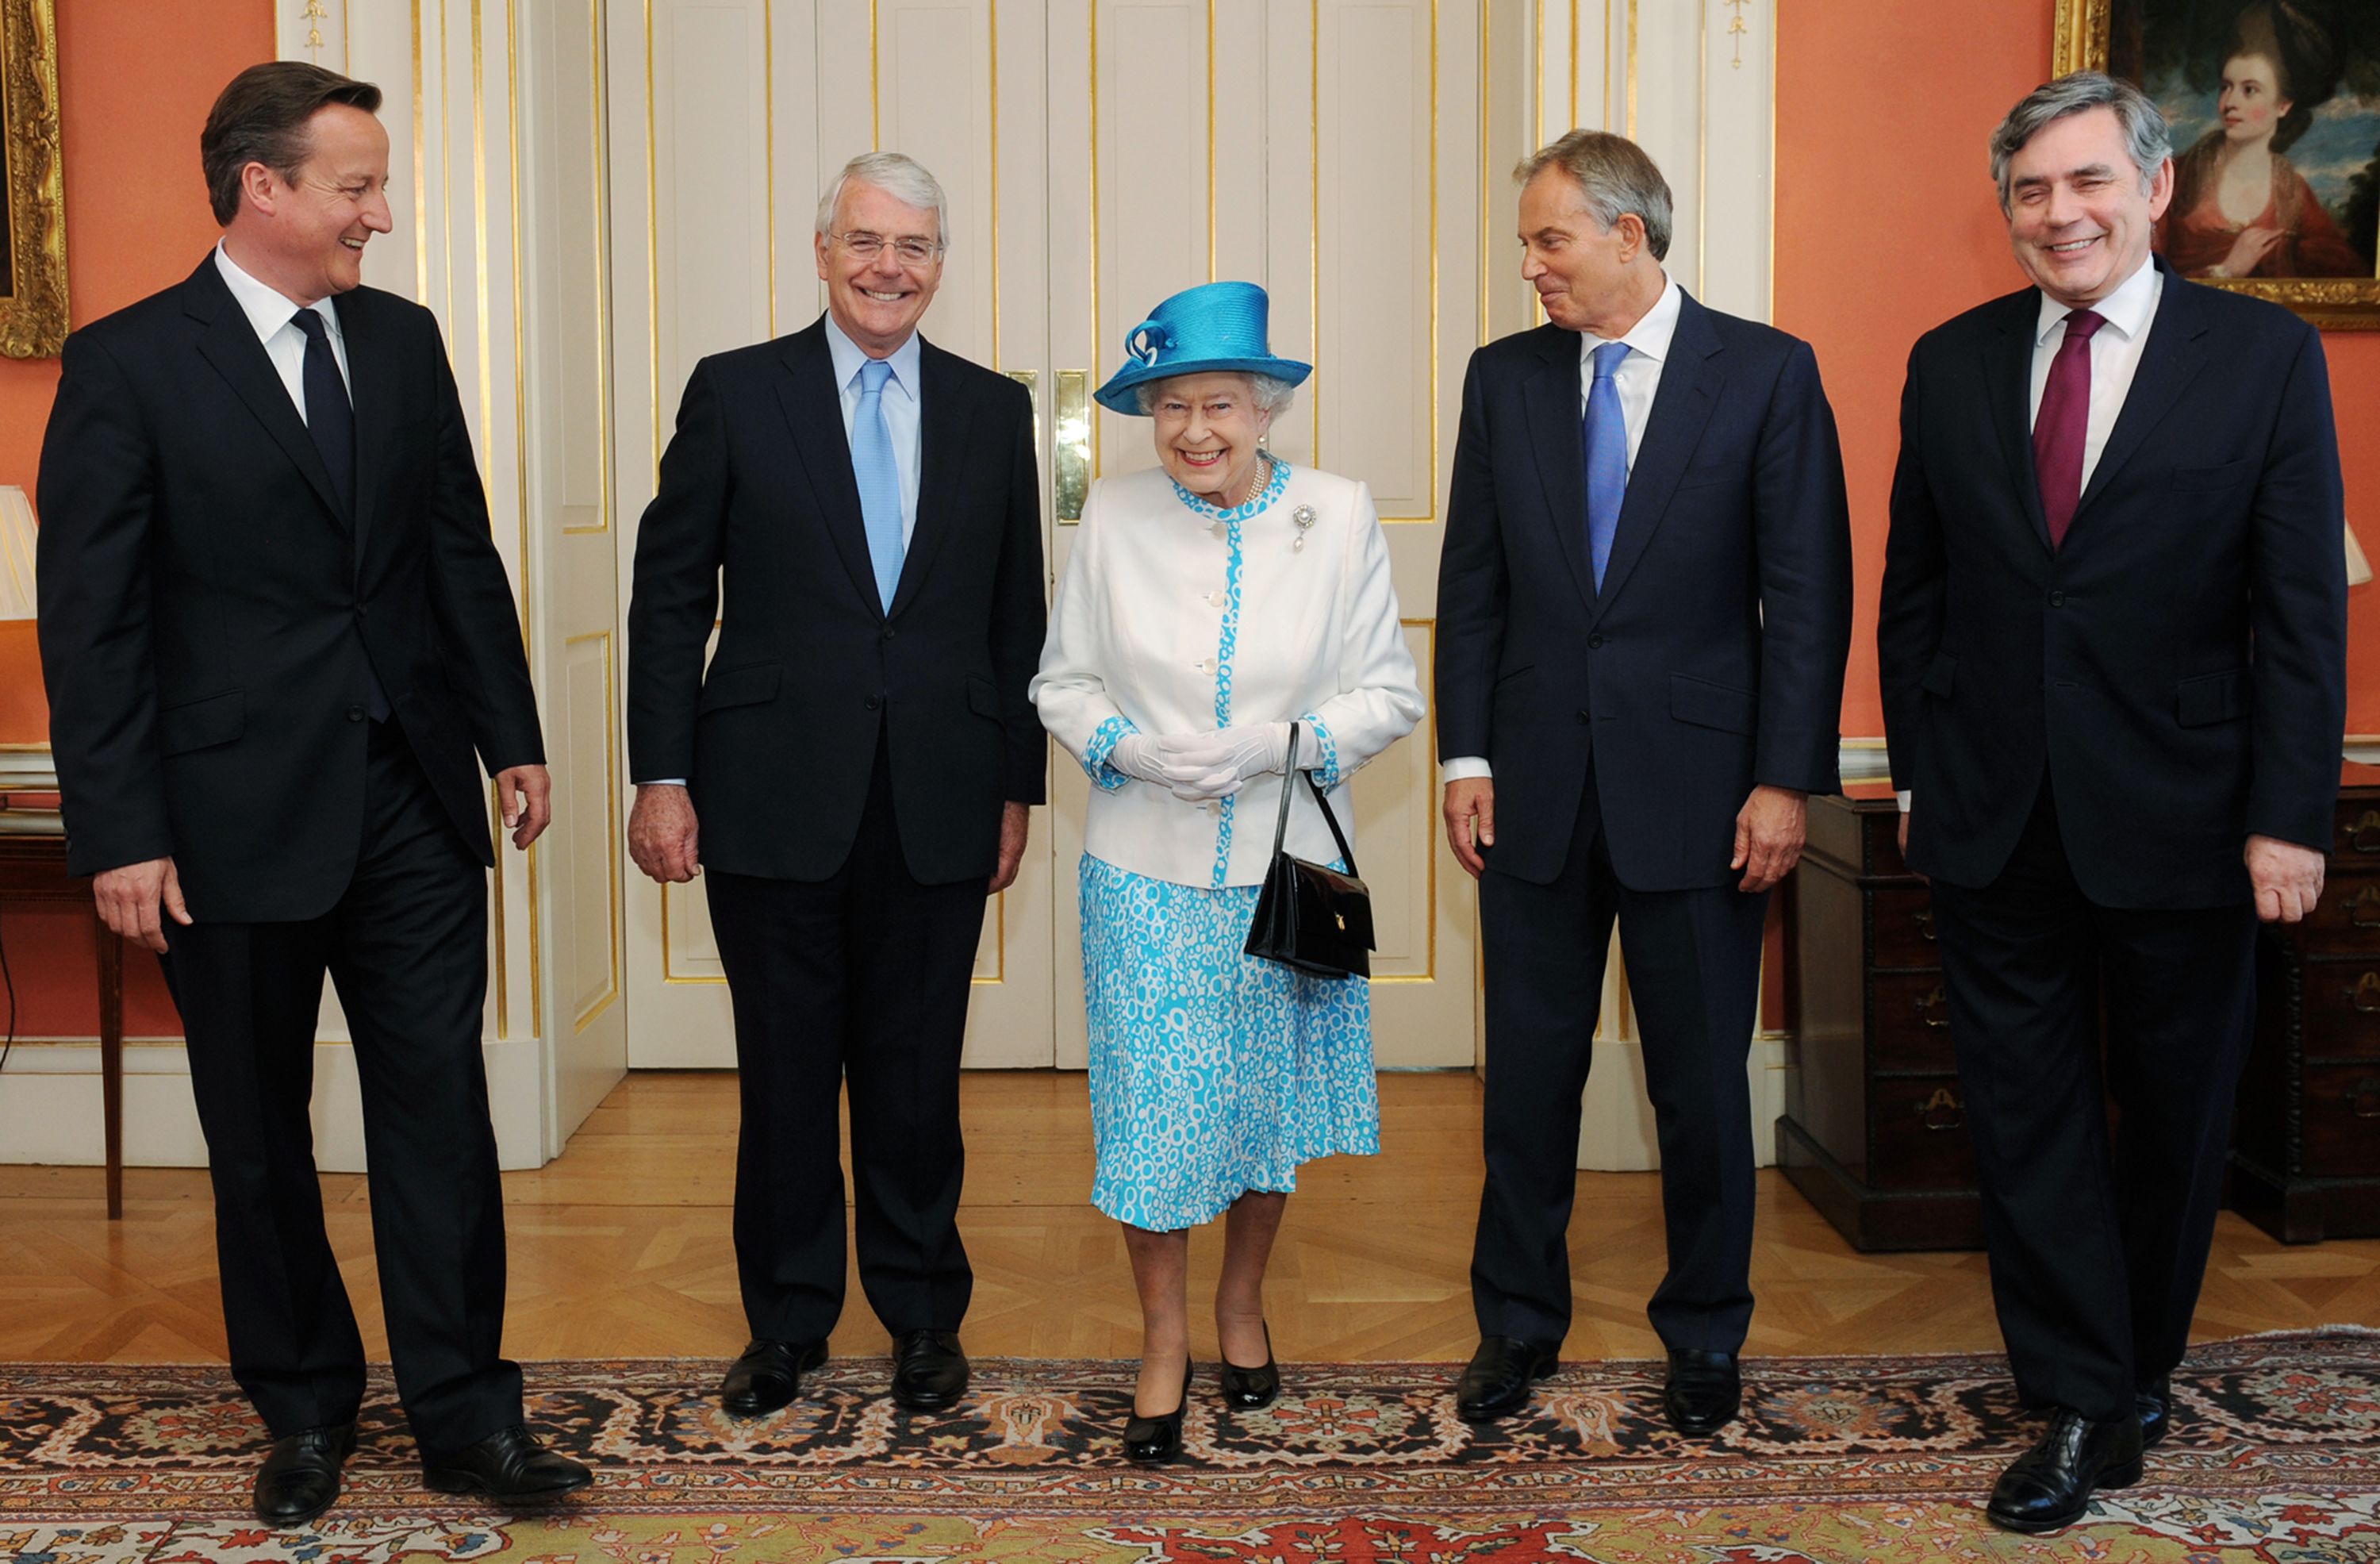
(1644, 610)
(2112, 645)
(860, 756)
(275, 629)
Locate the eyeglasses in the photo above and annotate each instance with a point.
(868, 247)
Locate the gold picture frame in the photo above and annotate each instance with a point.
(34, 242)
(2083, 38)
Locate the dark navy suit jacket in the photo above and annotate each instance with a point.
(1711, 661)
(2177, 667)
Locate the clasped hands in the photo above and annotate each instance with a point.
(1202, 767)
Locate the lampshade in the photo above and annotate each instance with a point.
(16, 554)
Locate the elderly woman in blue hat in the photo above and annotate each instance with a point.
(1211, 602)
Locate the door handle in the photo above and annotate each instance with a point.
(1070, 458)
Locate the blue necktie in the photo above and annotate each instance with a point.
(880, 479)
(1606, 456)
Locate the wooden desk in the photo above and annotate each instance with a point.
(33, 870)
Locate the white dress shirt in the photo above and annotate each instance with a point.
(2115, 355)
(900, 402)
(275, 317)
(2115, 358)
(1168, 622)
(1638, 380)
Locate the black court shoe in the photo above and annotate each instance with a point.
(1153, 1441)
(1252, 1389)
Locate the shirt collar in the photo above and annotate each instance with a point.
(267, 309)
(849, 356)
(1649, 337)
(2126, 310)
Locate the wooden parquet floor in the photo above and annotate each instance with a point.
(621, 1248)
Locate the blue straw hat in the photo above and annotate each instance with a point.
(1215, 326)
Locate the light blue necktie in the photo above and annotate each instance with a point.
(879, 477)
(1606, 456)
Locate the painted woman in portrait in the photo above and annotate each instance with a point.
(2240, 208)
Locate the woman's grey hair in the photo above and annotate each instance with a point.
(897, 174)
(1269, 393)
(2147, 138)
(1615, 176)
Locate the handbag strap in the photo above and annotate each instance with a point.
(1289, 791)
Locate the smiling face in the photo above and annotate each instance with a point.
(1587, 277)
(305, 236)
(2251, 103)
(2079, 219)
(1207, 431)
(877, 301)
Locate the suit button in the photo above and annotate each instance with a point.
(889, 632)
(1594, 643)
(1584, 719)
(872, 703)
(2057, 600)
(354, 714)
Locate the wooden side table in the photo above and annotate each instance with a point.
(33, 870)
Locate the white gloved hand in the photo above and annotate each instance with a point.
(1141, 756)
(1216, 765)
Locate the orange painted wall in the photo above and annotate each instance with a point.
(135, 80)
(1887, 227)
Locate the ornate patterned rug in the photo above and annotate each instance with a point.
(2275, 1458)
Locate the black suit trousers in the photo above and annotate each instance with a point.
(1694, 968)
(2098, 1246)
(406, 946)
(861, 978)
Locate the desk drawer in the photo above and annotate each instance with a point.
(1921, 1140)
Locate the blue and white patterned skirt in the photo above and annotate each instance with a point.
(1213, 1073)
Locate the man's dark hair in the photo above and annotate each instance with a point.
(261, 118)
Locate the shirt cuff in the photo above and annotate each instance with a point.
(676, 782)
(1463, 768)
(1902, 795)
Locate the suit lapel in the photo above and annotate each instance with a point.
(1689, 391)
(371, 389)
(2007, 384)
(944, 408)
(229, 342)
(1550, 399)
(812, 405)
(2171, 359)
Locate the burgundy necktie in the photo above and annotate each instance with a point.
(2063, 424)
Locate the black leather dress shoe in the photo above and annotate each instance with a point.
(768, 1375)
(2050, 1486)
(930, 1371)
(1496, 1382)
(2154, 1403)
(508, 1467)
(1704, 1391)
(301, 1477)
(1252, 1389)
(1153, 1441)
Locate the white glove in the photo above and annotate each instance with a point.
(1141, 756)
(1216, 765)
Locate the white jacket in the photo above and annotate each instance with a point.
(1168, 622)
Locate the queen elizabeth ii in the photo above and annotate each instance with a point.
(1211, 602)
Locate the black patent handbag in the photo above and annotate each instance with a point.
(1310, 916)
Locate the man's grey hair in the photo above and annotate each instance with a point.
(2147, 138)
(1269, 393)
(897, 174)
(1616, 177)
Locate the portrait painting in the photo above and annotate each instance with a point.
(33, 238)
(2275, 106)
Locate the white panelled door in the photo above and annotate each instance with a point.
(1098, 155)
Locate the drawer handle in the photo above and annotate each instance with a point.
(1944, 1111)
(1924, 919)
(2363, 1098)
(2365, 837)
(2363, 911)
(1929, 1005)
(2364, 994)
